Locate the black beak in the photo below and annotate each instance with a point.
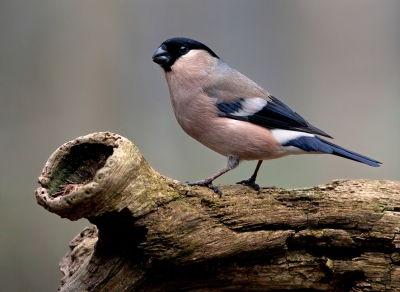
(161, 56)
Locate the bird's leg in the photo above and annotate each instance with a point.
(232, 163)
(251, 181)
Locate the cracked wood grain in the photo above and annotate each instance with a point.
(153, 233)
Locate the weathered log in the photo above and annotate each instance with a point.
(153, 233)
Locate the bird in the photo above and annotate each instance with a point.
(232, 115)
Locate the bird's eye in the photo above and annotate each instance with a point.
(183, 50)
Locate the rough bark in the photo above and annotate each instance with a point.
(153, 233)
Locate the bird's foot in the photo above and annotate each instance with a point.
(250, 182)
(206, 183)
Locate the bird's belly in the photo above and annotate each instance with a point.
(235, 138)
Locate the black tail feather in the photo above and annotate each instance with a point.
(342, 152)
(318, 144)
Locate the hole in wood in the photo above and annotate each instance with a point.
(78, 168)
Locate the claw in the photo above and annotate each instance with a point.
(205, 183)
(250, 182)
(215, 189)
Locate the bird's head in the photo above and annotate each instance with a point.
(174, 49)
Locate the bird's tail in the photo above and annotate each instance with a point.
(318, 144)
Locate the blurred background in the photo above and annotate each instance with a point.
(70, 68)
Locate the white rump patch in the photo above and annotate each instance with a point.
(250, 106)
(284, 136)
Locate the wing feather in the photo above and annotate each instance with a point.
(237, 97)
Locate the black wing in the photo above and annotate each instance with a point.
(272, 114)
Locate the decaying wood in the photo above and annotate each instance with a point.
(153, 233)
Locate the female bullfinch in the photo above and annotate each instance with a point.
(230, 114)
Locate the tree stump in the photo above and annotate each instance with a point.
(153, 233)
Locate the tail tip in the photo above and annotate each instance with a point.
(375, 163)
